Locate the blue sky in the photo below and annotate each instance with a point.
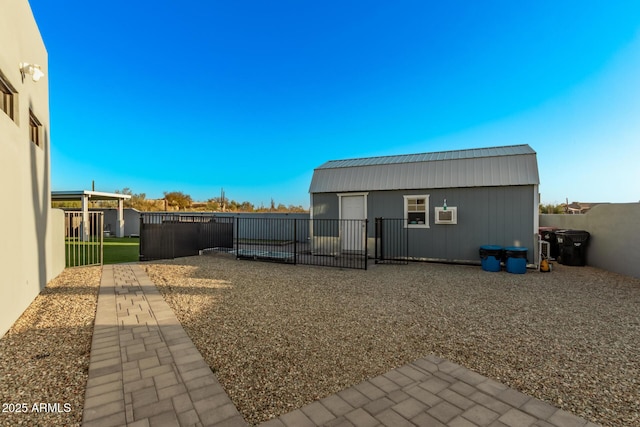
(251, 96)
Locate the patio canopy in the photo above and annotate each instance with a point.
(87, 195)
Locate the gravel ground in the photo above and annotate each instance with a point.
(281, 336)
(45, 354)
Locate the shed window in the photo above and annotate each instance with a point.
(416, 211)
(7, 96)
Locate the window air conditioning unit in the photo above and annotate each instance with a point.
(446, 215)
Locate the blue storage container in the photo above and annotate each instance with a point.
(516, 259)
(490, 256)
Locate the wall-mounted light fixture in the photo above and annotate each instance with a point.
(34, 70)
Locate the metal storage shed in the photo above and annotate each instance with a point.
(493, 193)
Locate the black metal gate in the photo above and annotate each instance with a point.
(392, 241)
(323, 242)
(167, 236)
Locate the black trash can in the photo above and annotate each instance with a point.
(572, 246)
(548, 234)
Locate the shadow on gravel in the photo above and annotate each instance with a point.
(45, 354)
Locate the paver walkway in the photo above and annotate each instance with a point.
(429, 392)
(145, 371)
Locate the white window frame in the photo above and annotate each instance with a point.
(407, 212)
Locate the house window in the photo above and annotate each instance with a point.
(7, 97)
(35, 129)
(416, 211)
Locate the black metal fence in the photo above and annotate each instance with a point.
(392, 241)
(167, 235)
(336, 243)
(323, 242)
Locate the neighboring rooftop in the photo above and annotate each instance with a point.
(478, 167)
(580, 207)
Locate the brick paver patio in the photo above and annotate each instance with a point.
(145, 371)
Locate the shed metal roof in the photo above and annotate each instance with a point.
(480, 167)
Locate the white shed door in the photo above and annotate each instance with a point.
(352, 232)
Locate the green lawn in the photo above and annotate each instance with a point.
(81, 253)
(121, 249)
(116, 250)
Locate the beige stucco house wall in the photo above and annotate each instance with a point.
(26, 231)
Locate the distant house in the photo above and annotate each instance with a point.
(28, 228)
(491, 197)
(579, 207)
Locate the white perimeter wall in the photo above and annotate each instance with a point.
(615, 235)
(26, 262)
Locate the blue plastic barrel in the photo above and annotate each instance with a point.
(490, 256)
(516, 259)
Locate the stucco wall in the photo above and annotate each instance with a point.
(561, 221)
(24, 167)
(57, 248)
(131, 220)
(615, 235)
(268, 224)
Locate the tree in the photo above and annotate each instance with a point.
(552, 209)
(128, 203)
(245, 207)
(178, 199)
(66, 204)
(138, 201)
(298, 208)
(213, 205)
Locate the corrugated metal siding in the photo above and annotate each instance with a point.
(458, 171)
(490, 215)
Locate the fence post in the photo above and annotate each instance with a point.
(406, 239)
(173, 237)
(295, 241)
(141, 231)
(101, 239)
(379, 239)
(237, 221)
(366, 240)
